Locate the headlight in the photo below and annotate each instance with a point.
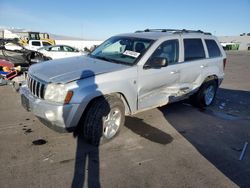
(57, 93)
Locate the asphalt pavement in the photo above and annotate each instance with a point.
(173, 146)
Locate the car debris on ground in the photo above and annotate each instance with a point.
(15, 63)
(243, 151)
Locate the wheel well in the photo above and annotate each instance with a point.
(212, 77)
(125, 102)
(119, 95)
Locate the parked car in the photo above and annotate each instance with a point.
(126, 74)
(36, 44)
(13, 47)
(19, 56)
(60, 51)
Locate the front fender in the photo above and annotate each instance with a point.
(122, 82)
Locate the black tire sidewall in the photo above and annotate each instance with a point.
(92, 126)
(201, 94)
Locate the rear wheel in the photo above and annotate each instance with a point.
(103, 119)
(205, 95)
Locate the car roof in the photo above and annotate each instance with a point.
(35, 40)
(156, 34)
(147, 35)
(58, 45)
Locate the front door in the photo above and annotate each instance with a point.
(157, 85)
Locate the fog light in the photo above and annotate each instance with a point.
(50, 115)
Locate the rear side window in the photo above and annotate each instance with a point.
(68, 49)
(46, 44)
(35, 43)
(193, 49)
(55, 48)
(213, 49)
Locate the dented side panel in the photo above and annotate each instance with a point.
(156, 85)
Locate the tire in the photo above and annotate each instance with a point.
(103, 120)
(205, 95)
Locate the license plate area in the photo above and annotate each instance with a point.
(25, 102)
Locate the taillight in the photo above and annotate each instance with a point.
(224, 63)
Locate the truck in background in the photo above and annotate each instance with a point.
(27, 39)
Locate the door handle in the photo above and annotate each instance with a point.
(174, 72)
(203, 66)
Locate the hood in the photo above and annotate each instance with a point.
(73, 68)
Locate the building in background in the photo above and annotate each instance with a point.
(235, 42)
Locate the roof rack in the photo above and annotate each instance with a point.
(174, 31)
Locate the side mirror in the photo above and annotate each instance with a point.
(157, 62)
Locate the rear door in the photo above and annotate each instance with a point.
(57, 52)
(157, 85)
(192, 64)
(214, 60)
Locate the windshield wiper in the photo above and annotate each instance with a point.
(103, 58)
(108, 59)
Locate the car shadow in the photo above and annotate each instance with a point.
(139, 127)
(215, 134)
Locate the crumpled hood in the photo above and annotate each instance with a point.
(73, 68)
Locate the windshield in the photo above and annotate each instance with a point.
(124, 50)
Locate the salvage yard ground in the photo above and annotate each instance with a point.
(173, 146)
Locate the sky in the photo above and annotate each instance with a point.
(100, 19)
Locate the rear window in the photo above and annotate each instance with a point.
(193, 49)
(213, 49)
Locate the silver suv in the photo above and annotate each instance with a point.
(126, 74)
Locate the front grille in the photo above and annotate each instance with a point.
(37, 88)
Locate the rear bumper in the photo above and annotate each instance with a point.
(59, 117)
(220, 81)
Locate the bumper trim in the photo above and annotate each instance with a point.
(61, 118)
(55, 127)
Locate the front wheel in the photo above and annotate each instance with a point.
(205, 95)
(103, 119)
